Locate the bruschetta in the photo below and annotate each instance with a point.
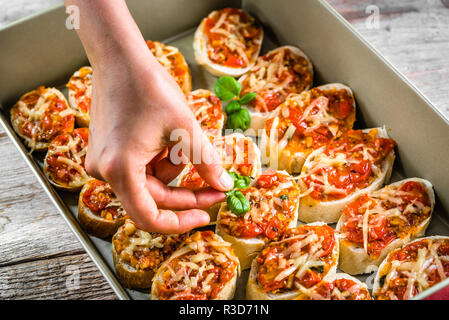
(64, 161)
(302, 258)
(40, 115)
(306, 122)
(80, 95)
(410, 270)
(274, 200)
(342, 287)
(239, 154)
(138, 254)
(173, 61)
(333, 176)
(227, 42)
(100, 213)
(381, 221)
(207, 110)
(204, 268)
(275, 75)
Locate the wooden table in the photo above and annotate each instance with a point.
(41, 259)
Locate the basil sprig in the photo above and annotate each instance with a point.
(235, 200)
(227, 88)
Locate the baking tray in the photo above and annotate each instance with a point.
(339, 54)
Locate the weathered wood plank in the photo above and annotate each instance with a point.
(66, 277)
(30, 226)
(414, 36)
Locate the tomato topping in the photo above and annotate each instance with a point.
(267, 180)
(382, 230)
(276, 259)
(95, 199)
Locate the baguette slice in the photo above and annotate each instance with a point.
(254, 291)
(289, 152)
(311, 210)
(219, 255)
(64, 161)
(248, 248)
(233, 148)
(263, 79)
(338, 285)
(422, 256)
(174, 62)
(146, 250)
(353, 257)
(92, 220)
(80, 95)
(201, 43)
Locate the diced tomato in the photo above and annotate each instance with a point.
(345, 109)
(267, 180)
(310, 279)
(249, 230)
(96, 200)
(235, 61)
(360, 172)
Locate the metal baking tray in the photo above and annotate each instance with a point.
(339, 53)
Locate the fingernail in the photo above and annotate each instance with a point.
(226, 180)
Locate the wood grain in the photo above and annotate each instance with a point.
(66, 277)
(38, 252)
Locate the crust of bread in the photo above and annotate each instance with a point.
(311, 210)
(337, 276)
(258, 119)
(289, 161)
(187, 83)
(254, 292)
(129, 276)
(95, 225)
(246, 249)
(200, 50)
(226, 293)
(36, 146)
(354, 260)
(383, 268)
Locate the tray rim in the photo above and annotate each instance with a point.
(72, 222)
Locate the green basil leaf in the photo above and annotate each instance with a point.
(232, 106)
(247, 98)
(234, 204)
(239, 120)
(319, 269)
(245, 205)
(226, 88)
(243, 182)
(284, 197)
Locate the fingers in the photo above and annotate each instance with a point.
(182, 198)
(129, 181)
(205, 158)
(165, 171)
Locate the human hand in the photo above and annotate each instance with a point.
(136, 105)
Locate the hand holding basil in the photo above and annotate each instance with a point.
(227, 88)
(235, 200)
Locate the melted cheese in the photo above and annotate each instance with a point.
(199, 262)
(417, 271)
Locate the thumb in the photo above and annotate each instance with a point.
(205, 158)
